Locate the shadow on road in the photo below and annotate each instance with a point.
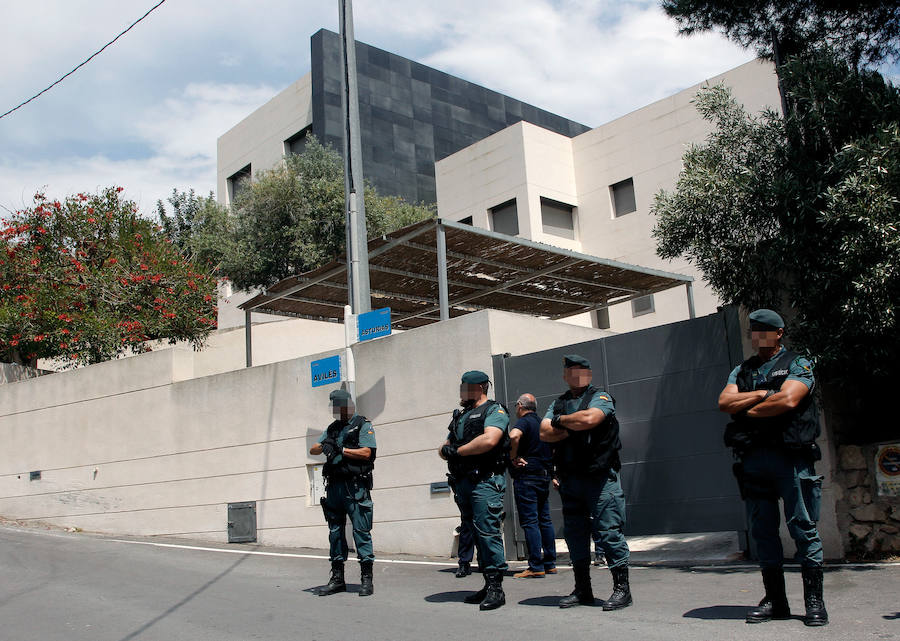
(551, 601)
(718, 612)
(203, 588)
(895, 616)
(456, 596)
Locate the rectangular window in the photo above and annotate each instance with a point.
(238, 182)
(505, 218)
(601, 318)
(642, 305)
(622, 194)
(297, 143)
(557, 218)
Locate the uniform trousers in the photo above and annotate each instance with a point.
(343, 498)
(594, 507)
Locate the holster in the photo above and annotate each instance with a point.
(330, 515)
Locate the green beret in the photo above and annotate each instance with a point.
(340, 397)
(475, 377)
(766, 317)
(574, 360)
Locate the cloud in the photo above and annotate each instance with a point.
(147, 112)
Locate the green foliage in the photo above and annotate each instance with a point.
(801, 213)
(291, 218)
(198, 226)
(87, 279)
(861, 32)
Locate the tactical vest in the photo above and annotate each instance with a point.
(796, 429)
(486, 464)
(348, 468)
(587, 452)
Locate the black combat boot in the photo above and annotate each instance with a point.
(365, 572)
(775, 604)
(816, 614)
(464, 570)
(478, 597)
(582, 594)
(494, 597)
(336, 582)
(621, 594)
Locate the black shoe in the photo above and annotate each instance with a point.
(366, 587)
(464, 570)
(774, 604)
(582, 595)
(816, 614)
(494, 596)
(336, 582)
(621, 594)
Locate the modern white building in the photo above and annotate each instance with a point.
(593, 192)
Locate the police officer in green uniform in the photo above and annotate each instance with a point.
(349, 448)
(476, 454)
(583, 427)
(773, 432)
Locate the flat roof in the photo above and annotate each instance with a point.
(484, 270)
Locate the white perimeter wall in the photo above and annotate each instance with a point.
(139, 446)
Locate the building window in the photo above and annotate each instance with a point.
(297, 143)
(557, 219)
(238, 182)
(505, 218)
(623, 197)
(601, 318)
(466, 221)
(642, 305)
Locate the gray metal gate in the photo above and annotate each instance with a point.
(676, 472)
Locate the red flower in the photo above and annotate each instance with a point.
(112, 261)
(38, 338)
(144, 267)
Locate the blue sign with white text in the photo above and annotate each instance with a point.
(326, 370)
(374, 324)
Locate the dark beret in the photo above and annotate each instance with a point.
(339, 396)
(767, 318)
(475, 377)
(574, 360)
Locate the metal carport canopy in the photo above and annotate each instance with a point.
(437, 269)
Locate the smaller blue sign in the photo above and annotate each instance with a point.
(374, 324)
(326, 370)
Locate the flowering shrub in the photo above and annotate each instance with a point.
(86, 279)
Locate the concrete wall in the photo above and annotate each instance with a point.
(258, 140)
(647, 145)
(143, 446)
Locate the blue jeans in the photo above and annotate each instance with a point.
(532, 494)
(465, 550)
(594, 507)
(770, 474)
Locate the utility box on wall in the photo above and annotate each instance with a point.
(242, 522)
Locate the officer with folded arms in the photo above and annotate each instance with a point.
(583, 427)
(476, 455)
(773, 433)
(349, 448)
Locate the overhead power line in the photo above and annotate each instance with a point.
(91, 57)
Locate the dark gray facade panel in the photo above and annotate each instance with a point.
(436, 111)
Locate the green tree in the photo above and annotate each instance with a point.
(86, 279)
(198, 226)
(862, 32)
(291, 219)
(802, 212)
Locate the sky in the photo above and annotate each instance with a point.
(146, 113)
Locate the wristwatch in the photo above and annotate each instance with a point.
(768, 394)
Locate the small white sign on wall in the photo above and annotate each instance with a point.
(316, 483)
(887, 469)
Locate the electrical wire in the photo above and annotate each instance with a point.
(92, 56)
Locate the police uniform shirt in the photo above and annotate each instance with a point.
(366, 436)
(600, 400)
(496, 417)
(799, 370)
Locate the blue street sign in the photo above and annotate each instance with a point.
(374, 324)
(326, 370)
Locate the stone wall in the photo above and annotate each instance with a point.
(869, 524)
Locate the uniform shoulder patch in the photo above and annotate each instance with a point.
(605, 398)
(500, 410)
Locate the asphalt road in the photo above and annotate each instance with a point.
(78, 587)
